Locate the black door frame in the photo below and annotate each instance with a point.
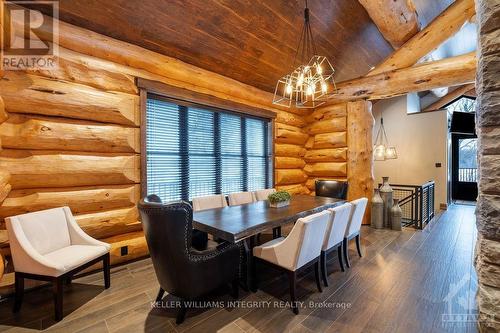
(460, 190)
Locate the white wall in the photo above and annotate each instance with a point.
(420, 140)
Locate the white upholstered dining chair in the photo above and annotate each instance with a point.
(50, 246)
(354, 227)
(209, 202)
(298, 250)
(261, 195)
(334, 236)
(240, 198)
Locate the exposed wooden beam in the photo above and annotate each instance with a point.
(471, 93)
(443, 27)
(443, 73)
(450, 97)
(396, 19)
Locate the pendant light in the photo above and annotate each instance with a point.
(381, 150)
(307, 85)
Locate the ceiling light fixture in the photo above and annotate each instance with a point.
(307, 86)
(381, 150)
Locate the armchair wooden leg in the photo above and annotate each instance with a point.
(106, 270)
(181, 313)
(316, 275)
(57, 292)
(341, 260)
(358, 245)
(292, 277)
(345, 245)
(159, 297)
(19, 286)
(323, 268)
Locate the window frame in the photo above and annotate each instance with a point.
(268, 116)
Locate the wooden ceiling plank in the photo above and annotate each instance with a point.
(396, 19)
(438, 31)
(442, 73)
(450, 97)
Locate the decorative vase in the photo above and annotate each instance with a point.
(386, 194)
(377, 221)
(396, 214)
(279, 204)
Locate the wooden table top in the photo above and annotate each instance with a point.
(235, 223)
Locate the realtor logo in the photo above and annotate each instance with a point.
(30, 32)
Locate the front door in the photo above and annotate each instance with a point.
(464, 167)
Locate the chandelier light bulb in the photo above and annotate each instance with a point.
(288, 89)
(324, 87)
(309, 90)
(318, 69)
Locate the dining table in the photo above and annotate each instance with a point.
(241, 223)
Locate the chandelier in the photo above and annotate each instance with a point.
(382, 151)
(307, 85)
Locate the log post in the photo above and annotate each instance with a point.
(360, 124)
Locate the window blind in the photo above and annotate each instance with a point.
(192, 151)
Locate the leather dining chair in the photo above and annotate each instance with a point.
(353, 229)
(297, 251)
(240, 198)
(334, 236)
(180, 269)
(331, 188)
(199, 238)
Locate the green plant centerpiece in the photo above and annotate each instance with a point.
(279, 199)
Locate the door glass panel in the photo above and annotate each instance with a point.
(467, 160)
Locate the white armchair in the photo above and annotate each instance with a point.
(354, 227)
(334, 236)
(298, 250)
(50, 246)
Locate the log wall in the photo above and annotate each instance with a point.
(71, 136)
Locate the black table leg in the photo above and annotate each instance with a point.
(248, 244)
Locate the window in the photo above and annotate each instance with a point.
(194, 151)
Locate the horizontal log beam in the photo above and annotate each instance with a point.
(326, 155)
(110, 223)
(51, 133)
(450, 97)
(80, 200)
(442, 73)
(290, 176)
(34, 169)
(289, 150)
(289, 134)
(102, 79)
(288, 162)
(437, 32)
(395, 19)
(294, 189)
(330, 140)
(3, 112)
(327, 169)
(328, 111)
(4, 192)
(337, 124)
(26, 93)
(290, 119)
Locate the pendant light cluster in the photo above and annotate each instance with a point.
(382, 151)
(307, 86)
